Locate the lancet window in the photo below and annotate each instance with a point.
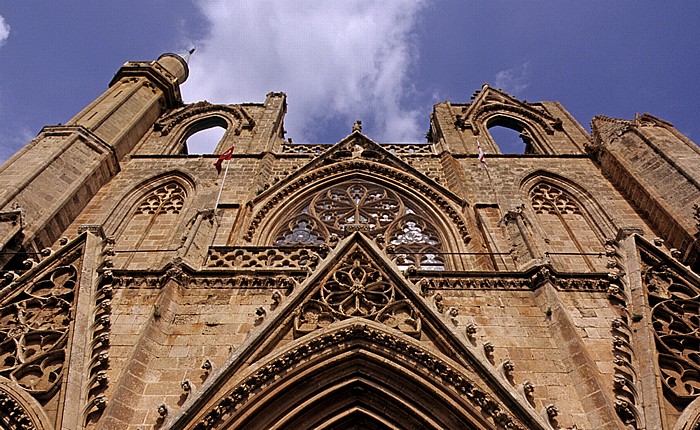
(572, 241)
(411, 239)
(150, 224)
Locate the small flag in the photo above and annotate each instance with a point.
(482, 158)
(225, 156)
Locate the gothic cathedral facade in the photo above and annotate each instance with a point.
(356, 285)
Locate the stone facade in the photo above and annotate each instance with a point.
(355, 285)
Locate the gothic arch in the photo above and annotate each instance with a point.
(415, 215)
(569, 218)
(450, 218)
(203, 124)
(532, 128)
(184, 122)
(19, 410)
(361, 369)
(534, 144)
(150, 211)
(690, 418)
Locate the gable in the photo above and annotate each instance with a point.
(355, 324)
(355, 158)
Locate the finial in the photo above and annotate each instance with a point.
(357, 126)
(186, 56)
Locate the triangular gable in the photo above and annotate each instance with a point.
(37, 312)
(356, 296)
(357, 154)
(356, 146)
(491, 99)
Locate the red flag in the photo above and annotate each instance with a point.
(225, 156)
(482, 158)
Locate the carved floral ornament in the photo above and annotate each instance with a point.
(357, 288)
(675, 312)
(12, 414)
(364, 166)
(34, 329)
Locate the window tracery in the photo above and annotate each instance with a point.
(167, 199)
(34, 329)
(547, 199)
(414, 242)
(373, 209)
(675, 314)
(150, 223)
(571, 239)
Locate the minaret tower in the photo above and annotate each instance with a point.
(49, 181)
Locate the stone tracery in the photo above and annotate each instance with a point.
(34, 330)
(167, 199)
(372, 209)
(357, 288)
(676, 320)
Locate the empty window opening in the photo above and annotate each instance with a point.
(511, 136)
(509, 141)
(204, 141)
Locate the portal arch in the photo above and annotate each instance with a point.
(356, 367)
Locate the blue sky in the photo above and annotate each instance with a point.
(385, 62)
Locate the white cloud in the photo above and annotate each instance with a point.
(14, 140)
(514, 80)
(338, 61)
(4, 30)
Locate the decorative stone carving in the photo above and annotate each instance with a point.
(413, 355)
(357, 288)
(266, 257)
(34, 325)
(360, 165)
(675, 313)
(12, 415)
(593, 283)
(166, 199)
(242, 119)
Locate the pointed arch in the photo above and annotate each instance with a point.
(574, 226)
(146, 219)
(354, 369)
(18, 410)
(415, 230)
(532, 137)
(690, 417)
(184, 122)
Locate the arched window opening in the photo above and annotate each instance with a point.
(150, 226)
(205, 141)
(341, 209)
(511, 137)
(204, 136)
(572, 240)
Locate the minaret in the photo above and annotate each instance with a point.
(49, 181)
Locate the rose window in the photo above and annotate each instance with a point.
(341, 209)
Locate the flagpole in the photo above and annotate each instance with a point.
(221, 188)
